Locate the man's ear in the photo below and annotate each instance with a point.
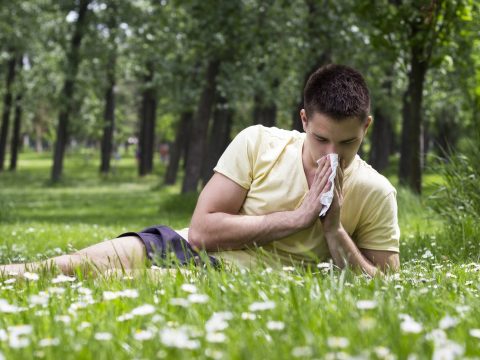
(303, 116)
(367, 124)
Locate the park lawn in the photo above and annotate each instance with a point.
(428, 309)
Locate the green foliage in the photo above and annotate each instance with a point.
(458, 202)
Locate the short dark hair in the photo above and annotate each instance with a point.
(337, 91)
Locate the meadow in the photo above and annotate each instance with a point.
(427, 310)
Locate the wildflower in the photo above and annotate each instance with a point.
(63, 278)
(49, 342)
(125, 317)
(56, 290)
(30, 276)
(275, 325)
(302, 351)
(18, 330)
(198, 298)
(10, 281)
(474, 333)
(84, 291)
(127, 293)
(62, 318)
(409, 325)
(190, 288)
(448, 322)
(366, 304)
(18, 342)
(337, 342)
(288, 268)
(178, 338)
(8, 308)
(324, 266)
(216, 337)
(383, 352)
(214, 354)
(83, 325)
(448, 350)
(3, 335)
(217, 322)
(179, 302)
(40, 299)
(248, 316)
(261, 306)
(103, 336)
(143, 335)
(146, 309)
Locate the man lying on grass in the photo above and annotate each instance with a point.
(264, 200)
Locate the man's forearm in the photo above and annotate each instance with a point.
(221, 231)
(344, 251)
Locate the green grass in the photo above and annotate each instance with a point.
(312, 313)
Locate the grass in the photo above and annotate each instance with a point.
(427, 310)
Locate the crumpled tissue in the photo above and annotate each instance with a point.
(327, 198)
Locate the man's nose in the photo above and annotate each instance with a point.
(331, 148)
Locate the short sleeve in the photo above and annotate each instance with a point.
(378, 228)
(236, 162)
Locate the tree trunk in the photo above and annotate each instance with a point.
(410, 173)
(7, 105)
(198, 137)
(381, 140)
(109, 111)
(147, 124)
(73, 62)
(177, 149)
(324, 59)
(109, 127)
(219, 137)
(15, 144)
(264, 114)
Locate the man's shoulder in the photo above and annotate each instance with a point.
(366, 180)
(263, 132)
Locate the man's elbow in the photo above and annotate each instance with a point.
(196, 238)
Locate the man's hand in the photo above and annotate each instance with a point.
(309, 211)
(331, 221)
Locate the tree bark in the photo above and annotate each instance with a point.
(381, 140)
(178, 147)
(73, 62)
(15, 143)
(7, 105)
(147, 123)
(410, 173)
(109, 111)
(264, 114)
(219, 137)
(198, 137)
(324, 59)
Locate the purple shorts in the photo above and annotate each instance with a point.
(164, 245)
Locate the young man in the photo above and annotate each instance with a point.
(263, 202)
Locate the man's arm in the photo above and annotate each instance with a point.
(216, 224)
(343, 249)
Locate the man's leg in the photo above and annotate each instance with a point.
(121, 253)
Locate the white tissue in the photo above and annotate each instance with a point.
(327, 198)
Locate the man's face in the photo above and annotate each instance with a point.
(325, 135)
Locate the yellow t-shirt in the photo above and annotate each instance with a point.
(268, 163)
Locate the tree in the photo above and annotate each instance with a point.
(73, 58)
(7, 104)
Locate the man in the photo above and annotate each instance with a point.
(263, 202)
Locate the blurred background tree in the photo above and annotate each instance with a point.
(179, 78)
